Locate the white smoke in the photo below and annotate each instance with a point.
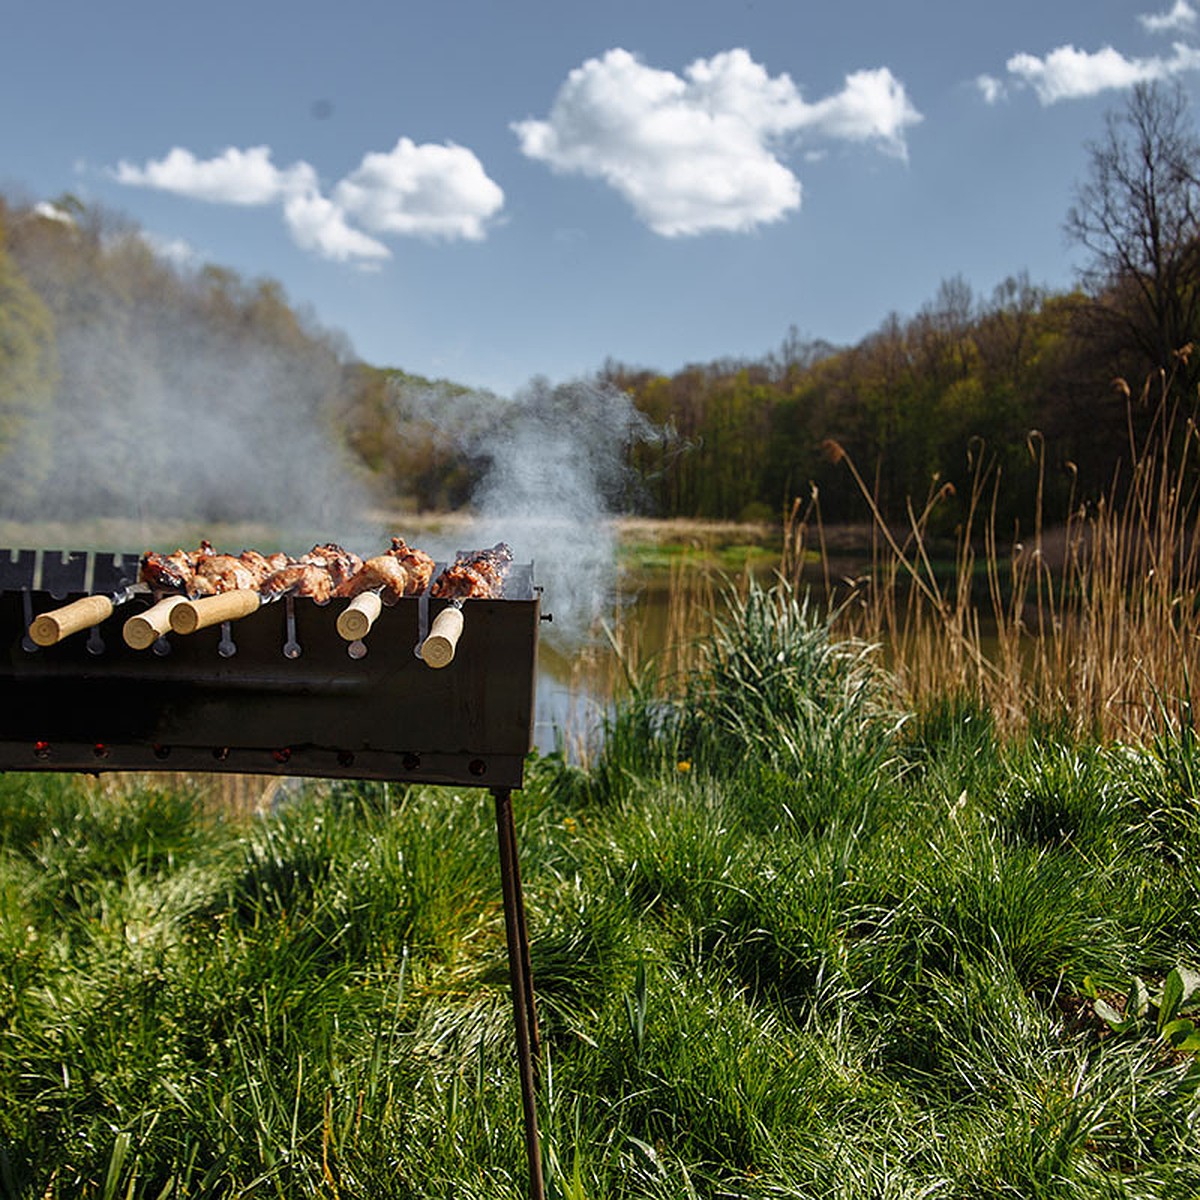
(553, 474)
(184, 412)
(211, 403)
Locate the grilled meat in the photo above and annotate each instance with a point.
(199, 572)
(342, 564)
(223, 573)
(262, 565)
(204, 572)
(326, 570)
(476, 575)
(384, 574)
(167, 572)
(417, 563)
(299, 579)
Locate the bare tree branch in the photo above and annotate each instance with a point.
(1138, 215)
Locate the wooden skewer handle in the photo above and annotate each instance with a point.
(438, 648)
(355, 620)
(143, 630)
(53, 626)
(212, 610)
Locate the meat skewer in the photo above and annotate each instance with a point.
(380, 579)
(172, 572)
(141, 631)
(401, 571)
(224, 587)
(51, 627)
(201, 573)
(417, 563)
(355, 620)
(298, 579)
(208, 588)
(441, 642)
(191, 615)
(478, 575)
(202, 577)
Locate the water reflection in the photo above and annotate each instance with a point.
(575, 682)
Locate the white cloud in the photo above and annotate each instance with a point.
(425, 190)
(699, 153)
(873, 106)
(990, 88)
(233, 177)
(319, 225)
(1068, 73)
(1180, 17)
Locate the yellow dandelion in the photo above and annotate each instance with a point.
(683, 765)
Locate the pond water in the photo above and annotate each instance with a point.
(646, 620)
(653, 614)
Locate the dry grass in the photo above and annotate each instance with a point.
(232, 797)
(656, 531)
(1092, 625)
(131, 535)
(1089, 624)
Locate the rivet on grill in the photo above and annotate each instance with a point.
(220, 753)
(41, 749)
(345, 758)
(161, 751)
(100, 750)
(477, 766)
(411, 761)
(282, 756)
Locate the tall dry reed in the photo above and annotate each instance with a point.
(1090, 625)
(1086, 622)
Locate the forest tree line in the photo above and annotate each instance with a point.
(111, 354)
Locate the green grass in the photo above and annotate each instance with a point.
(787, 943)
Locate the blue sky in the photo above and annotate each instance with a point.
(489, 191)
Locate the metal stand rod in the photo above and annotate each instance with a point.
(521, 982)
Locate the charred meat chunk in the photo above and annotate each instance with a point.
(475, 575)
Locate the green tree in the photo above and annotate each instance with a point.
(27, 379)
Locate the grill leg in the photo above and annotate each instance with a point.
(521, 981)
